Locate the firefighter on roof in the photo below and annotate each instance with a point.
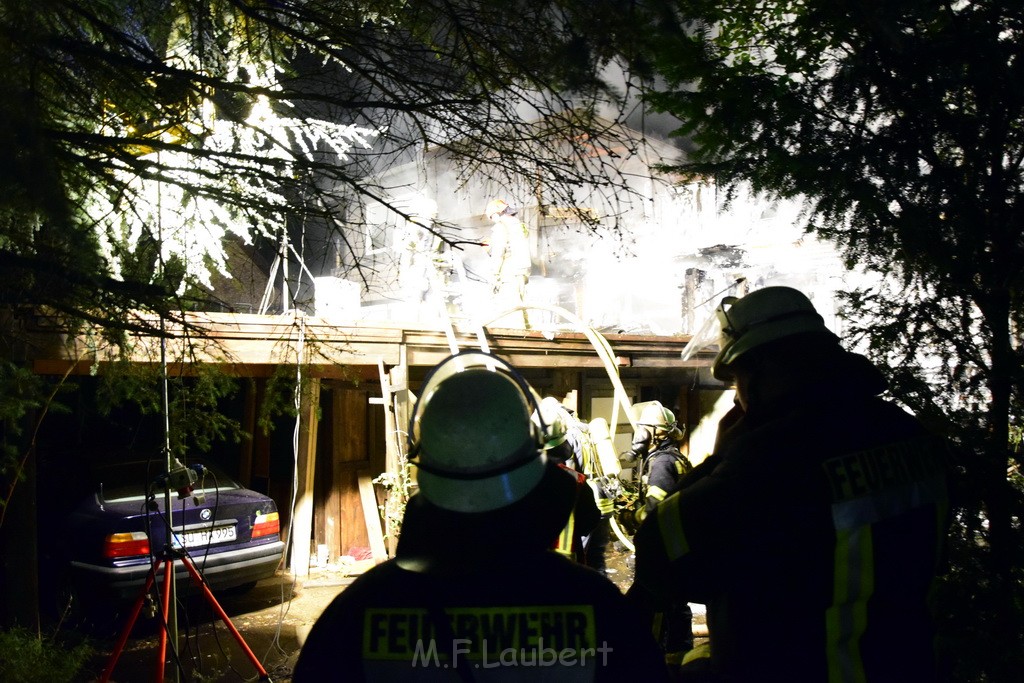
(509, 251)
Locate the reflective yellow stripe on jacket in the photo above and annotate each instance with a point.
(656, 493)
(564, 543)
(846, 620)
(671, 525)
(910, 478)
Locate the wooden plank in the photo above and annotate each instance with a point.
(390, 445)
(245, 461)
(372, 517)
(351, 521)
(350, 457)
(391, 450)
(331, 512)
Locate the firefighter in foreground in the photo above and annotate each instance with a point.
(814, 532)
(474, 592)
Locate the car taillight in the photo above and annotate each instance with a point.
(266, 525)
(126, 544)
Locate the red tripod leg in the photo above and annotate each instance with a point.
(208, 594)
(126, 631)
(161, 660)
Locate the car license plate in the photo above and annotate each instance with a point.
(200, 537)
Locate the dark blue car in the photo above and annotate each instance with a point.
(119, 531)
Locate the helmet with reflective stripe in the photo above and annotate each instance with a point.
(761, 317)
(554, 417)
(657, 416)
(472, 437)
(495, 208)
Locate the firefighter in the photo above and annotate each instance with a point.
(587, 533)
(562, 446)
(662, 468)
(474, 592)
(814, 532)
(509, 251)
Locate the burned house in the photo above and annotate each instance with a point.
(616, 289)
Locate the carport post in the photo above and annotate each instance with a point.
(302, 522)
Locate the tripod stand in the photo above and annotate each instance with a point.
(168, 557)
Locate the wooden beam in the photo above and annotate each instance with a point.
(252, 345)
(302, 524)
(392, 451)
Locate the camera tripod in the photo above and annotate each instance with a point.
(167, 559)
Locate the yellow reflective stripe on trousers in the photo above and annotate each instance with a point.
(846, 620)
(564, 544)
(671, 526)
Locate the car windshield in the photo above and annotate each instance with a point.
(127, 480)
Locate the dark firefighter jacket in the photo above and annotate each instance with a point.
(481, 597)
(813, 535)
(584, 517)
(663, 469)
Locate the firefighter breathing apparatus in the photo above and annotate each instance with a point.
(659, 419)
(656, 425)
(473, 436)
(579, 446)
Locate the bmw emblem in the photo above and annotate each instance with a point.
(205, 514)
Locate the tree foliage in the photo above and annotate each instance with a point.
(136, 135)
(902, 127)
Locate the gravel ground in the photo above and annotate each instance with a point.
(272, 620)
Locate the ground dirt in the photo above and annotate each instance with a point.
(272, 621)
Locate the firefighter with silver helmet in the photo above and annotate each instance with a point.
(662, 468)
(815, 530)
(563, 446)
(475, 592)
(571, 445)
(664, 465)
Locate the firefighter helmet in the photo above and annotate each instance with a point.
(552, 418)
(656, 416)
(472, 435)
(495, 208)
(758, 318)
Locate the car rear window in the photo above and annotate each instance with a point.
(126, 480)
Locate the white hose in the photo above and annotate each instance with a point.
(607, 355)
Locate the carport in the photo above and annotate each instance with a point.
(358, 382)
